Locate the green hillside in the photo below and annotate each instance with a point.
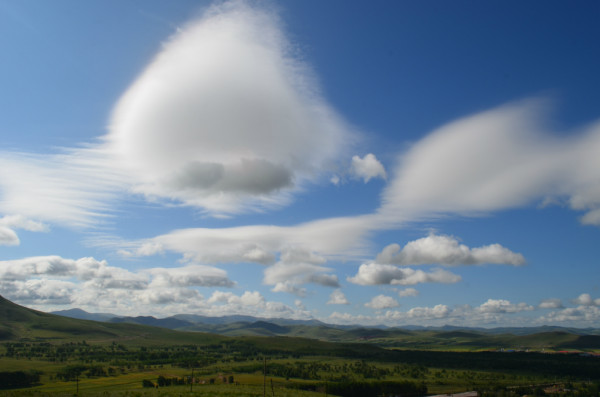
(21, 323)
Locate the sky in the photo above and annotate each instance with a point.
(376, 163)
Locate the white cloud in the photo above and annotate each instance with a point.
(250, 304)
(89, 270)
(551, 303)
(586, 300)
(446, 250)
(419, 313)
(493, 311)
(226, 117)
(573, 316)
(74, 189)
(190, 276)
(503, 306)
(92, 283)
(8, 236)
(290, 288)
(298, 303)
(248, 298)
(298, 267)
(333, 237)
(367, 168)
(347, 318)
(498, 159)
(337, 297)
(164, 296)
(144, 249)
(382, 302)
(8, 223)
(408, 292)
(20, 222)
(378, 274)
(39, 291)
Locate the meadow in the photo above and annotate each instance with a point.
(43, 354)
(237, 366)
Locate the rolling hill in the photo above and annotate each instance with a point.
(24, 324)
(20, 323)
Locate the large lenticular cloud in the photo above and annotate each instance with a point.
(499, 159)
(225, 117)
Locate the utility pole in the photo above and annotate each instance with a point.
(265, 378)
(192, 380)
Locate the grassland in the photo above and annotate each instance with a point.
(90, 358)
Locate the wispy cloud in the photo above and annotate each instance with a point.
(502, 158)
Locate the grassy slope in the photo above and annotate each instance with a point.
(21, 323)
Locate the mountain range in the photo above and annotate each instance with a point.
(23, 324)
(240, 325)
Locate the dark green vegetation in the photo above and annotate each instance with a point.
(105, 357)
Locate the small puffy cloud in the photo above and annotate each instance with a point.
(551, 303)
(8, 236)
(337, 297)
(163, 296)
(299, 273)
(190, 276)
(297, 267)
(246, 299)
(367, 168)
(93, 272)
(503, 306)
(21, 222)
(9, 223)
(378, 274)
(419, 313)
(290, 288)
(40, 291)
(408, 292)
(382, 302)
(582, 315)
(586, 300)
(296, 255)
(446, 250)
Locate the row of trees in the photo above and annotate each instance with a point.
(18, 379)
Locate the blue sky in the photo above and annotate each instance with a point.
(355, 162)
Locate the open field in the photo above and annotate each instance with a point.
(57, 356)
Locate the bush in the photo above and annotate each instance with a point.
(367, 389)
(17, 379)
